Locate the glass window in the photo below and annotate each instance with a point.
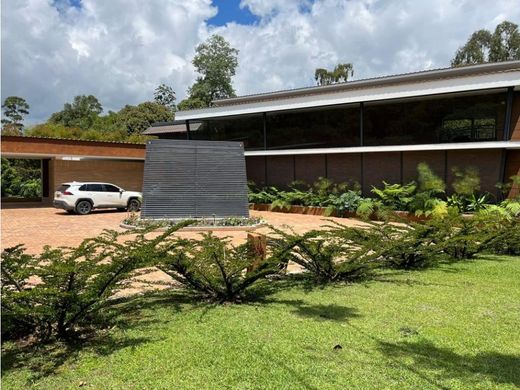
(63, 188)
(317, 128)
(247, 129)
(95, 187)
(434, 120)
(111, 188)
(83, 188)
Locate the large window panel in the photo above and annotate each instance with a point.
(317, 128)
(246, 129)
(435, 120)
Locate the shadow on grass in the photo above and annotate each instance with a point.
(497, 367)
(44, 359)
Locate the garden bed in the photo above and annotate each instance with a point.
(324, 211)
(216, 225)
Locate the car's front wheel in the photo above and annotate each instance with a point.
(134, 205)
(83, 207)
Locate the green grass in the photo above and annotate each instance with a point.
(453, 327)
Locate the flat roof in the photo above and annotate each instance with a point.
(424, 83)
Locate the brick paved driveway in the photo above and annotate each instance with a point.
(37, 227)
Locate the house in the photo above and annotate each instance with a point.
(373, 129)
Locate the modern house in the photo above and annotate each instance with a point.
(373, 129)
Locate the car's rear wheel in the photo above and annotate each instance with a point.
(134, 205)
(83, 207)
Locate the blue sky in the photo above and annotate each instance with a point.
(230, 11)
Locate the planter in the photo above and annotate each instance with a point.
(204, 228)
(307, 210)
(321, 211)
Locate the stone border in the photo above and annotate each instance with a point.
(250, 228)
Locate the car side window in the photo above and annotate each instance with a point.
(83, 188)
(111, 188)
(95, 187)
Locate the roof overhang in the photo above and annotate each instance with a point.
(390, 148)
(447, 82)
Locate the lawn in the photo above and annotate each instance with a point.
(452, 327)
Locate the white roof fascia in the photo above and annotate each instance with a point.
(70, 157)
(389, 148)
(396, 91)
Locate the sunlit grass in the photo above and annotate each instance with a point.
(456, 326)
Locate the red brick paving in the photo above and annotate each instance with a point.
(37, 227)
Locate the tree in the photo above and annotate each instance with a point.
(216, 62)
(14, 110)
(483, 46)
(165, 96)
(340, 74)
(82, 112)
(138, 118)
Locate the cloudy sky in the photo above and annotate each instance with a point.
(120, 50)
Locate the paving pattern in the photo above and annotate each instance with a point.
(37, 227)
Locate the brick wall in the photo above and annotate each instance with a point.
(370, 169)
(515, 118)
(126, 174)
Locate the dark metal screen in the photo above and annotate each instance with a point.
(194, 179)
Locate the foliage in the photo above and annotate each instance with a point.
(340, 74)
(138, 118)
(15, 108)
(21, 178)
(328, 257)
(215, 269)
(216, 62)
(466, 182)
(395, 196)
(502, 237)
(458, 236)
(483, 46)
(133, 220)
(64, 290)
(165, 96)
(82, 112)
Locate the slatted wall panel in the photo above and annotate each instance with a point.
(184, 179)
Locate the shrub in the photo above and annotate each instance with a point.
(459, 237)
(328, 257)
(430, 188)
(70, 286)
(396, 196)
(408, 247)
(215, 269)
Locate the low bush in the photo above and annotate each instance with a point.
(327, 256)
(215, 269)
(64, 290)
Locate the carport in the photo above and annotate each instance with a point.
(64, 160)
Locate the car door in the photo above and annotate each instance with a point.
(114, 195)
(97, 194)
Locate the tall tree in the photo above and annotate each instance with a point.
(216, 62)
(15, 108)
(138, 118)
(82, 112)
(165, 96)
(339, 74)
(483, 46)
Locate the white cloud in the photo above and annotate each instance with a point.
(120, 50)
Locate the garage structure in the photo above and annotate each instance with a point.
(64, 160)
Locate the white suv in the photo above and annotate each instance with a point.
(81, 198)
